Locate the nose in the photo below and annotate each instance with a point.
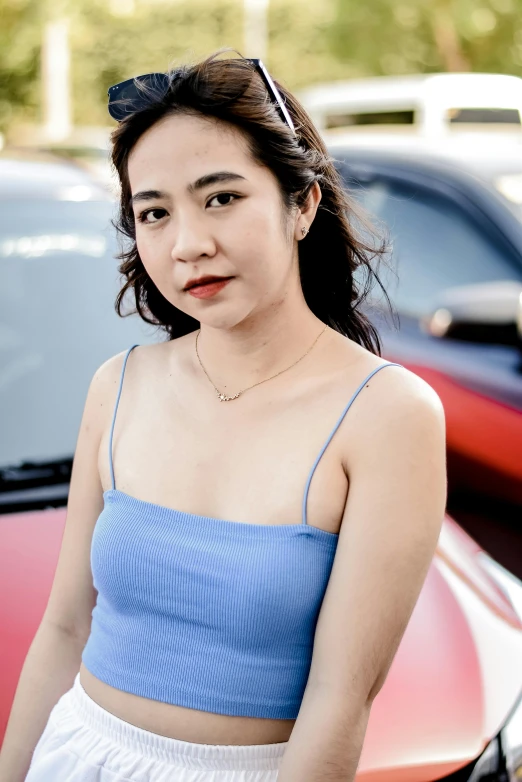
(192, 238)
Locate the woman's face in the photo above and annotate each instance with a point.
(203, 206)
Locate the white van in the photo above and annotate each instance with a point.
(426, 104)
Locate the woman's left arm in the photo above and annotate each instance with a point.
(389, 533)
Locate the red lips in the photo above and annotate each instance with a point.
(204, 280)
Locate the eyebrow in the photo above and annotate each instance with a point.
(199, 184)
(147, 195)
(212, 179)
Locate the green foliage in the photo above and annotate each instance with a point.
(412, 36)
(300, 50)
(108, 49)
(384, 37)
(20, 22)
(309, 42)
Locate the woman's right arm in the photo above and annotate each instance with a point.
(54, 657)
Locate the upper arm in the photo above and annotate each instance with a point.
(73, 596)
(389, 533)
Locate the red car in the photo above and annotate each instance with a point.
(451, 694)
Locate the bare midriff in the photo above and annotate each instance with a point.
(178, 722)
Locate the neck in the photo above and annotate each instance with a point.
(252, 351)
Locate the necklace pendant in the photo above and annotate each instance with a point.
(225, 398)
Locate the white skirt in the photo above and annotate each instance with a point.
(82, 742)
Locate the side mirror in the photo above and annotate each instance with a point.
(489, 312)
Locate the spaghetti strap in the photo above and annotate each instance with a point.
(305, 498)
(114, 414)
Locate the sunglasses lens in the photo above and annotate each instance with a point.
(135, 94)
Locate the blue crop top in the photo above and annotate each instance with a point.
(202, 612)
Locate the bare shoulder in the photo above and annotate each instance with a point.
(156, 353)
(395, 390)
(142, 361)
(108, 374)
(394, 408)
(391, 383)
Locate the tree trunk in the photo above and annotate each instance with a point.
(446, 37)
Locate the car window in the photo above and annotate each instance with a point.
(57, 320)
(434, 245)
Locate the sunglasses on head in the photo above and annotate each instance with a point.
(125, 98)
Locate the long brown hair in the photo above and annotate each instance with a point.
(230, 90)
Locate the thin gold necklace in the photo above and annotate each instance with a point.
(225, 398)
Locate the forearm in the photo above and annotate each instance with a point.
(52, 662)
(327, 739)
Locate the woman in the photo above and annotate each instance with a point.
(246, 616)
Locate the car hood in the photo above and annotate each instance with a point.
(455, 676)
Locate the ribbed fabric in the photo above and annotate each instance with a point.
(206, 613)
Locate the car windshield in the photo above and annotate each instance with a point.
(499, 163)
(435, 245)
(509, 185)
(496, 159)
(57, 320)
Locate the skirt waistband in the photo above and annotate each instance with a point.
(182, 753)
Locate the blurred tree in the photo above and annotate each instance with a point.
(446, 36)
(308, 43)
(411, 36)
(20, 25)
(110, 46)
(300, 43)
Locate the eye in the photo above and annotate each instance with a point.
(224, 195)
(156, 214)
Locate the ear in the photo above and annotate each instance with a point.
(306, 213)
